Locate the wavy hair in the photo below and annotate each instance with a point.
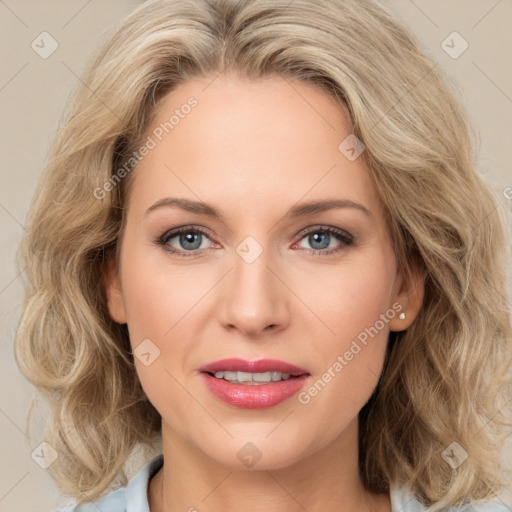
(446, 378)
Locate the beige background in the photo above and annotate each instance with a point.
(33, 92)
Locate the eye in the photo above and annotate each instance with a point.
(320, 239)
(189, 238)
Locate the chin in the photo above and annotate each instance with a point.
(256, 453)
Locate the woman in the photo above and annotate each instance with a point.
(261, 240)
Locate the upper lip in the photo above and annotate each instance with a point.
(259, 366)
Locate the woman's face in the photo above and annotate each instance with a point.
(269, 277)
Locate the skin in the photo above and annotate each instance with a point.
(253, 149)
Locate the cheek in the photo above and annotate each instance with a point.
(157, 316)
(163, 306)
(348, 357)
(352, 296)
(366, 296)
(160, 297)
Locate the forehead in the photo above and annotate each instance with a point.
(247, 143)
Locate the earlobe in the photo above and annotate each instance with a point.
(408, 301)
(114, 292)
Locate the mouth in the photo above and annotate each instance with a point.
(261, 366)
(253, 384)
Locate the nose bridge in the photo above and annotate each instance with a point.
(254, 297)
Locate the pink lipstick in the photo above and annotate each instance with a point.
(253, 384)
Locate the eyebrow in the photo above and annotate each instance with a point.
(297, 210)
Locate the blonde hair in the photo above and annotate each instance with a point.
(445, 378)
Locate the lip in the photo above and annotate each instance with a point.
(260, 366)
(261, 396)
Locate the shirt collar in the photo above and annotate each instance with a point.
(137, 487)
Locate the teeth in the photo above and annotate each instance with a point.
(251, 378)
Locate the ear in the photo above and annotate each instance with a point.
(113, 291)
(410, 289)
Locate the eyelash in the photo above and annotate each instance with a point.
(342, 236)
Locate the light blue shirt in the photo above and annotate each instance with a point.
(134, 497)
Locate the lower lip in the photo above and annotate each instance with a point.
(260, 396)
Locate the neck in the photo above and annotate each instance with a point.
(326, 480)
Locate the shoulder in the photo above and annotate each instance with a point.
(114, 501)
(132, 498)
(403, 500)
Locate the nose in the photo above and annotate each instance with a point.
(254, 298)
